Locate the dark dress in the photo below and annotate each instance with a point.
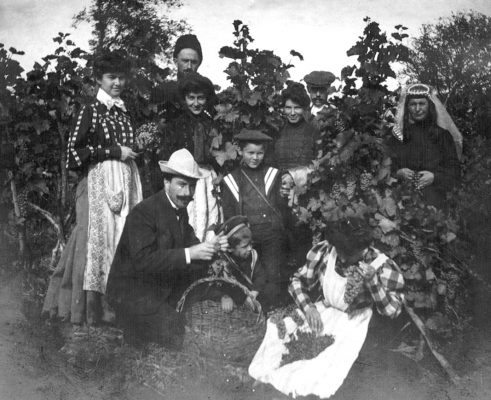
(428, 149)
(149, 272)
(296, 145)
(187, 131)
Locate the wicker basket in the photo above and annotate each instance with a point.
(230, 337)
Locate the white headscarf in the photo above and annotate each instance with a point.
(444, 120)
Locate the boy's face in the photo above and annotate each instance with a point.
(243, 249)
(252, 154)
(112, 83)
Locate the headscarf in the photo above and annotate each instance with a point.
(444, 120)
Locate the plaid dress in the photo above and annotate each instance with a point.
(384, 289)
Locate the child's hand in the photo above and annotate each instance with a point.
(287, 184)
(227, 304)
(251, 301)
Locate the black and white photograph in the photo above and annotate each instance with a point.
(245, 199)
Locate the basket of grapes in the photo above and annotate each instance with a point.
(232, 337)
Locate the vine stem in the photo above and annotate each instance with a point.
(60, 244)
(421, 327)
(22, 236)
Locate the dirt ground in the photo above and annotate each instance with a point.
(31, 367)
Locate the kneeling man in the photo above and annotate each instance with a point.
(158, 256)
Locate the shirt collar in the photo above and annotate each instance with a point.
(314, 110)
(109, 101)
(171, 202)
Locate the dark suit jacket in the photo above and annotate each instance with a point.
(150, 261)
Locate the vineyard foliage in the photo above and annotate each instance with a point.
(352, 176)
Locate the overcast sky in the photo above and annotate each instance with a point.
(322, 30)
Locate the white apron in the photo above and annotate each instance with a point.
(114, 188)
(204, 211)
(324, 374)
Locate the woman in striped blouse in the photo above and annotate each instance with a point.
(349, 277)
(100, 148)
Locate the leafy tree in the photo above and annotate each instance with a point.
(38, 112)
(257, 77)
(454, 56)
(146, 32)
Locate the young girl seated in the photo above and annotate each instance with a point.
(240, 264)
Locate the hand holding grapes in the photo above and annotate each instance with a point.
(314, 319)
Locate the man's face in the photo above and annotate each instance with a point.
(112, 83)
(180, 190)
(293, 111)
(187, 60)
(195, 102)
(418, 109)
(318, 95)
(243, 250)
(252, 154)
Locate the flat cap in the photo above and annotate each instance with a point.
(253, 135)
(319, 78)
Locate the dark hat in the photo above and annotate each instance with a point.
(233, 225)
(319, 78)
(252, 135)
(188, 42)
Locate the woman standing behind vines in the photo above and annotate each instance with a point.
(100, 146)
(426, 145)
(193, 130)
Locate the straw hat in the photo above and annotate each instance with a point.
(181, 163)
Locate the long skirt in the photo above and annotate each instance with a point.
(65, 297)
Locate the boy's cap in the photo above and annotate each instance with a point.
(233, 225)
(253, 135)
(319, 78)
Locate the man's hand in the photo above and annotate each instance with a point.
(223, 242)
(314, 319)
(202, 251)
(227, 304)
(426, 178)
(405, 173)
(127, 153)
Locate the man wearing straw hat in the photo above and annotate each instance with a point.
(158, 256)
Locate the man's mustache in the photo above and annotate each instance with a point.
(185, 198)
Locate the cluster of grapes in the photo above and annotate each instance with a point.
(350, 187)
(147, 136)
(339, 125)
(354, 284)
(336, 192)
(415, 181)
(279, 315)
(365, 180)
(22, 202)
(305, 347)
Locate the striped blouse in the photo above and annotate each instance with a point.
(384, 289)
(98, 134)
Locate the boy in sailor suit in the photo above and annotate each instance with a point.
(253, 190)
